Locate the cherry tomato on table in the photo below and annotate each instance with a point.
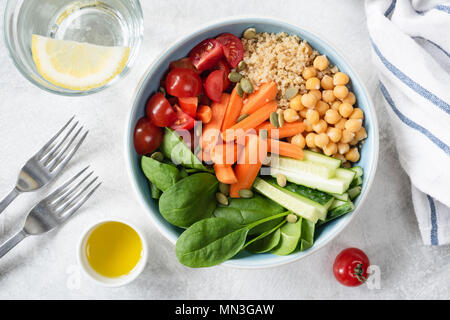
(189, 105)
(233, 48)
(147, 136)
(160, 111)
(183, 83)
(350, 267)
(206, 54)
(183, 121)
(214, 85)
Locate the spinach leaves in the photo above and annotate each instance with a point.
(189, 200)
(161, 175)
(290, 237)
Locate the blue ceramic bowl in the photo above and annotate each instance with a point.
(150, 83)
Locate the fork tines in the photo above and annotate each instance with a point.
(60, 149)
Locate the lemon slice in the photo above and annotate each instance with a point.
(77, 65)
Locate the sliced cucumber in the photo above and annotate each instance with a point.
(356, 182)
(336, 203)
(321, 159)
(304, 166)
(354, 192)
(290, 200)
(342, 197)
(359, 171)
(339, 208)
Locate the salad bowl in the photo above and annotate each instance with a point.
(236, 25)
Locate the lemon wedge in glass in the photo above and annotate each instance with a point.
(77, 65)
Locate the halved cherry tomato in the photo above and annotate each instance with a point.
(184, 121)
(204, 114)
(160, 111)
(183, 63)
(206, 54)
(350, 267)
(189, 105)
(147, 136)
(214, 85)
(183, 83)
(233, 49)
(223, 65)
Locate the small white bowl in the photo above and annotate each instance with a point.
(105, 281)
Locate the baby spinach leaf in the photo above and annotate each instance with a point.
(175, 149)
(290, 237)
(189, 200)
(162, 175)
(266, 241)
(307, 237)
(154, 191)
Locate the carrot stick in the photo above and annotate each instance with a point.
(266, 92)
(233, 110)
(248, 166)
(288, 130)
(285, 149)
(251, 122)
(225, 173)
(204, 114)
(224, 153)
(211, 130)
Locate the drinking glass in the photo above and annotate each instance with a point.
(105, 23)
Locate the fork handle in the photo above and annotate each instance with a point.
(12, 242)
(8, 199)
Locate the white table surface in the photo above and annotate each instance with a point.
(46, 267)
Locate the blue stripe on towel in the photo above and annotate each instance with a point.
(391, 8)
(439, 7)
(434, 226)
(412, 124)
(434, 44)
(411, 83)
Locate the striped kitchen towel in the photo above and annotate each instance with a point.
(411, 49)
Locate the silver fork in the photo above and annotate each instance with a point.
(56, 209)
(47, 163)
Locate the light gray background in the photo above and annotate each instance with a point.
(45, 267)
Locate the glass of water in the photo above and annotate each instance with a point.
(108, 23)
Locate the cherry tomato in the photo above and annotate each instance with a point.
(147, 136)
(184, 121)
(206, 54)
(350, 267)
(189, 105)
(223, 65)
(160, 111)
(233, 48)
(183, 63)
(183, 83)
(214, 85)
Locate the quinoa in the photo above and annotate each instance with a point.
(280, 58)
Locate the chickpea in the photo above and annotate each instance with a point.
(327, 83)
(312, 116)
(321, 140)
(357, 114)
(361, 134)
(354, 141)
(353, 125)
(322, 107)
(334, 134)
(343, 148)
(347, 136)
(296, 103)
(340, 92)
(339, 157)
(330, 149)
(350, 98)
(290, 115)
(320, 63)
(345, 109)
(309, 100)
(340, 79)
(303, 112)
(335, 105)
(341, 124)
(309, 72)
(313, 83)
(332, 116)
(310, 140)
(352, 155)
(316, 93)
(328, 96)
(298, 140)
(316, 150)
(320, 127)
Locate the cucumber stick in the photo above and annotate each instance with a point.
(304, 166)
(354, 192)
(321, 159)
(342, 197)
(292, 201)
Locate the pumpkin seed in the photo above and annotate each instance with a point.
(274, 119)
(291, 218)
(263, 134)
(246, 85)
(222, 199)
(242, 66)
(239, 90)
(290, 93)
(224, 188)
(249, 34)
(234, 76)
(163, 91)
(281, 119)
(281, 180)
(158, 156)
(246, 193)
(242, 117)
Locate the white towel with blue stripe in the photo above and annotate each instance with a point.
(411, 48)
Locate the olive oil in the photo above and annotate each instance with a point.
(113, 249)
